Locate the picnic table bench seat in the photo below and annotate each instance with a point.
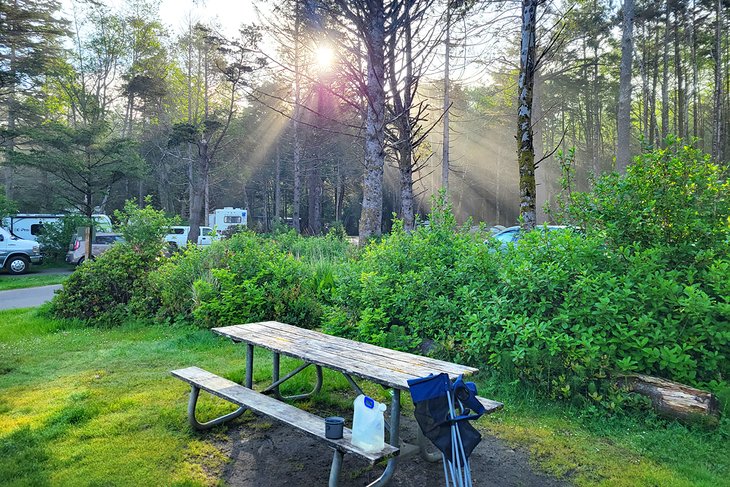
(309, 423)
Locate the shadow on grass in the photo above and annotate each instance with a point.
(25, 454)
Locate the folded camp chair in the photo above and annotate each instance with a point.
(437, 400)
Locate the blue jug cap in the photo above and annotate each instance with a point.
(369, 403)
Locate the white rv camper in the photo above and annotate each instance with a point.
(29, 225)
(224, 218)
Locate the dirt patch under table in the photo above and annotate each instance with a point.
(266, 454)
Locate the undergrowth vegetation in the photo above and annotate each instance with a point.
(643, 288)
(97, 406)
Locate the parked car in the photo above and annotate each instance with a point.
(178, 236)
(512, 234)
(101, 243)
(16, 255)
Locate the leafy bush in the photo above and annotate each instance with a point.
(408, 290)
(245, 278)
(330, 248)
(144, 228)
(115, 285)
(56, 236)
(674, 199)
(569, 314)
(104, 291)
(562, 311)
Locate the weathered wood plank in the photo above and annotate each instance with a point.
(290, 331)
(309, 423)
(381, 365)
(489, 405)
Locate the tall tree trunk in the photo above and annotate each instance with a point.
(447, 105)
(265, 212)
(717, 111)
(297, 155)
(665, 79)
(623, 118)
(206, 204)
(588, 112)
(695, 75)
(10, 145)
(190, 114)
(525, 149)
(540, 170)
(372, 199)
(314, 203)
(644, 85)
(198, 201)
(653, 127)
(339, 191)
(402, 101)
(277, 186)
(725, 108)
(596, 112)
(679, 75)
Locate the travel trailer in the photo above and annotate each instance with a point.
(224, 218)
(29, 225)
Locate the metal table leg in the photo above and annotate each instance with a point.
(275, 373)
(336, 467)
(196, 425)
(423, 443)
(276, 361)
(249, 366)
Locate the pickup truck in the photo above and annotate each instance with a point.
(17, 254)
(178, 236)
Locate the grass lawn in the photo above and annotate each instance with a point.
(30, 280)
(90, 406)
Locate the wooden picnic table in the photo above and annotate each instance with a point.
(389, 368)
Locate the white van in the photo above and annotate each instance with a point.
(178, 236)
(30, 225)
(17, 254)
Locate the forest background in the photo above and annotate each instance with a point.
(103, 102)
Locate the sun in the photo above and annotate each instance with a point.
(324, 57)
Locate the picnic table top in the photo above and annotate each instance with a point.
(383, 366)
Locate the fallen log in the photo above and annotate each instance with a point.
(674, 400)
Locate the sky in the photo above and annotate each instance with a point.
(174, 13)
(230, 13)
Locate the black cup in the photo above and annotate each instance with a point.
(333, 427)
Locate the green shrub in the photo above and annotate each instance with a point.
(569, 316)
(674, 199)
(108, 289)
(116, 284)
(172, 284)
(144, 228)
(330, 248)
(246, 278)
(561, 311)
(407, 290)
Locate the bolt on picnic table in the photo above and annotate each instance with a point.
(389, 368)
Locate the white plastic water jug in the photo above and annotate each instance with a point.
(368, 424)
